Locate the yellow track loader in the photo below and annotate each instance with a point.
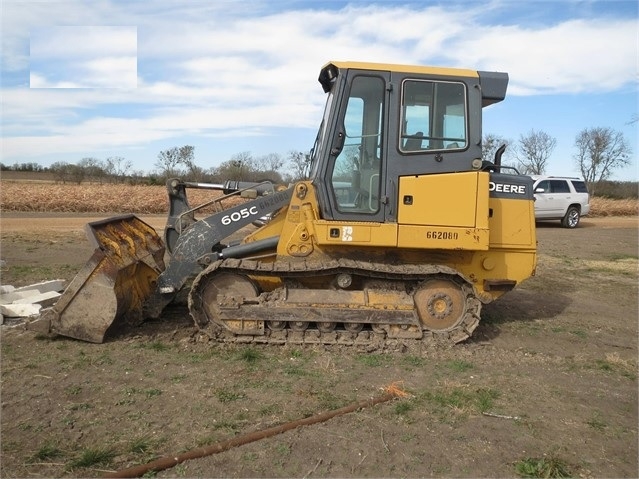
(400, 233)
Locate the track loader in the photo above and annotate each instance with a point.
(400, 233)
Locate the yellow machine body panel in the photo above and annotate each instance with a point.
(510, 223)
(449, 199)
(351, 233)
(445, 211)
(442, 237)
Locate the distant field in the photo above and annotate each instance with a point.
(28, 192)
(90, 198)
(29, 176)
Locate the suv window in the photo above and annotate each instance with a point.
(553, 186)
(543, 185)
(559, 186)
(580, 186)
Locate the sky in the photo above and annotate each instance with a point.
(132, 78)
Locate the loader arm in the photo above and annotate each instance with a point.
(195, 247)
(182, 215)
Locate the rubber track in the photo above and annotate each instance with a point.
(368, 340)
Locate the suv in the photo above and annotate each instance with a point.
(560, 198)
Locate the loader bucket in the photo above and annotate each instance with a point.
(113, 285)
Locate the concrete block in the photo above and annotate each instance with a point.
(19, 310)
(6, 288)
(9, 298)
(43, 299)
(21, 295)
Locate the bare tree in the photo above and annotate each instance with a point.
(242, 165)
(138, 177)
(269, 166)
(239, 168)
(299, 163)
(117, 167)
(533, 152)
(186, 157)
(94, 169)
(24, 167)
(271, 162)
(490, 144)
(77, 173)
(178, 162)
(168, 163)
(61, 171)
(599, 151)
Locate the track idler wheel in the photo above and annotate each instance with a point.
(440, 304)
(217, 289)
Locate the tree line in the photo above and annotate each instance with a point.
(114, 169)
(176, 162)
(179, 162)
(599, 151)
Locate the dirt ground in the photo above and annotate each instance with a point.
(549, 377)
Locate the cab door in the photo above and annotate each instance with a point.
(355, 173)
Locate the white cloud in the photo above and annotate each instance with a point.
(574, 56)
(37, 80)
(84, 57)
(557, 57)
(105, 72)
(83, 42)
(112, 72)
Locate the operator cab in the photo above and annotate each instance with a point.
(382, 122)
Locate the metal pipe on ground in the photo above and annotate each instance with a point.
(171, 461)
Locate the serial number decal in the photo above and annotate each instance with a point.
(442, 235)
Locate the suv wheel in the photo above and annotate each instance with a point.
(571, 219)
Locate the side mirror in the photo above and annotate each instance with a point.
(539, 190)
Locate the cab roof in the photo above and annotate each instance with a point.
(493, 84)
(421, 69)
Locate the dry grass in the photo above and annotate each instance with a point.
(140, 199)
(91, 198)
(609, 207)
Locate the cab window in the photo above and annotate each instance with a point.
(433, 116)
